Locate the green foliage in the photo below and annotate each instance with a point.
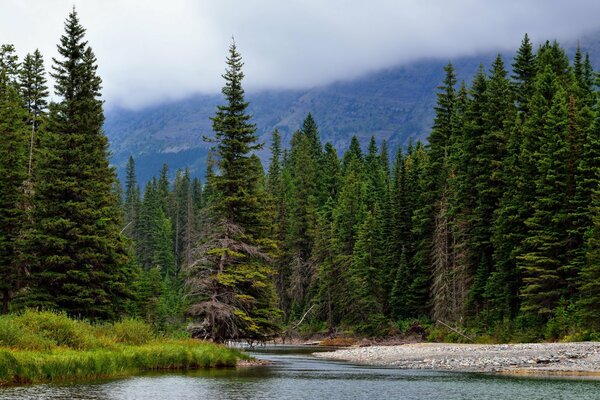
(81, 262)
(48, 346)
(131, 331)
(13, 173)
(492, 227)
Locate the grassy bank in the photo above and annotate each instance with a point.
(46, 346)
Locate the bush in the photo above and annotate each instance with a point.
(563, 323)
(59, 329)
(131, 331)
(376, 326)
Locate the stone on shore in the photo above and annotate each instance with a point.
(582, 358)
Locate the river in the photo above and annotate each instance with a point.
(295, 374)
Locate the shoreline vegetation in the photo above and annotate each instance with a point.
(37, 347)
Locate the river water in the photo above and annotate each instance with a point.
(295, 374)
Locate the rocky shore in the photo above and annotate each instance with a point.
(580, 359)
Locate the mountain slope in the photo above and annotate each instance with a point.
(394, 104)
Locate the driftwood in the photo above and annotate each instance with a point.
(288, 332)
(455, 330)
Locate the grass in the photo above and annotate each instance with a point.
(47, 346)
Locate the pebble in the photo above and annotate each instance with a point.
(550, 357)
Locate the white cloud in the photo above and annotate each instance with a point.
(151, 51)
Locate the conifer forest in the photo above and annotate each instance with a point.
(491, 226)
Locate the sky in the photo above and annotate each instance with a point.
(153, 51)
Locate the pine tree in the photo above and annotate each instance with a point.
(546, 243)
(236, 138)
(83, 266)
(163, 188)
(303, 215)
(231, 274)
(432, 226)
(524, 71)
(183, 218)
(365, 308)
(197, 196)
(354, 152)
(13, 173)
(35, 93)
(491, 151)
(311, 131)
(589, 277)
(9, 64)
(331, 173)
(132, 201)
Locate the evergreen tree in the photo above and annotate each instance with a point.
(183, 218)
(9, 64)
(311, 131)
(35, 93)
(303, 215)
(491, 151)
(231, 275)
(365, 277)
(589, 278)
(524, 71)
(82, 265)
(236, 138)
(546, 243)
(163, 188)
(132, 200)
(331, 173)
(431, 227)
(13, 172)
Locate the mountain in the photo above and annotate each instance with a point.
(395, 104)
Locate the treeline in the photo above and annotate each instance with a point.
(61, 245)
(494, 225)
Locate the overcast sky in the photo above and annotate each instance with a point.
(151, 51)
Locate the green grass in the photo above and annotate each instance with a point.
(46, 346)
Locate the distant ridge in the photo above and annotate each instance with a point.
(395, 104)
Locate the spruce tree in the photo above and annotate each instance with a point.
(524, 71)
(491, 151)
(236, 139)
(546, 243)
(35, 93)
(83, 266)
(13, 173)
(304, 169)
(589, 277)
(230, 276)
(365, 277)
(432, 225)
(9, 64)
(132, 200)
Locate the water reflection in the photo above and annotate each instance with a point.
(294, 374)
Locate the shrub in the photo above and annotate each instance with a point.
(131, 331)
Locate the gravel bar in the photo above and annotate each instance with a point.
(580, 359)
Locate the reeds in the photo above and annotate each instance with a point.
(46, 346)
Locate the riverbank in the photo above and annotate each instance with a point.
(44, 346)
(578, 359)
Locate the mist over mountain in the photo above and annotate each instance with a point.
(394, 104)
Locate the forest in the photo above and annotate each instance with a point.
(492, 226)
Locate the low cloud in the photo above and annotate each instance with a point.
(151, 51)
